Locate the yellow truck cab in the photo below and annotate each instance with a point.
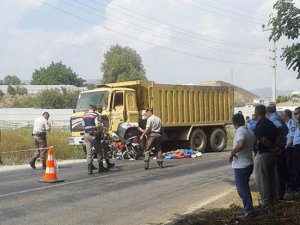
(195, 113)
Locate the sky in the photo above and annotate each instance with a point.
(180, 41)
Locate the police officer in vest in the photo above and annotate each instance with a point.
(40, 127)
(292, 126)
(92, 138)
(296, 154)
(154, 131)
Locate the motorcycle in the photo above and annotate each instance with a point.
(127, 149)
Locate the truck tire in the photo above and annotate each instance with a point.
(217, 140)
(198, 140)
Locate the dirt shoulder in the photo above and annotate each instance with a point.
(224, 210)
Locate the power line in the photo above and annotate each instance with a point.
(147, 42)
(228, 11)
(219, 13)
(180, 29)
(144, 29)
(240, 8)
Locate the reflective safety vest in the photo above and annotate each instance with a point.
(89, 121)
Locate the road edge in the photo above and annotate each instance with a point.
(197, 206)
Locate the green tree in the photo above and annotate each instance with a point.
(122, 64)
(56, 73)
(51, 99)
(286, 23)
(280, 99)
(11, 90)
(11, 80)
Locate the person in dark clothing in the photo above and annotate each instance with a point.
(265, 158)
(282, 131)
(296, 155)
(292, 126)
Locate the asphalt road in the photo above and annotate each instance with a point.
(126, 195)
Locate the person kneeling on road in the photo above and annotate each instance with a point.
(242, 162)
(92, 138)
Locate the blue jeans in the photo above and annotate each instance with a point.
(242, 177)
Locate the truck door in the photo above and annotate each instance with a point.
(117, 110)
(131, 110)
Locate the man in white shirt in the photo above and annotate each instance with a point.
(153, 129)
(41, 126)
(242, 162)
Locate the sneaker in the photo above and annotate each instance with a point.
(102, 169)
(94, 167)
(160, 164)
(289, 195)
(110, 165)
(146, 165)
(244, 215)
(32, 165)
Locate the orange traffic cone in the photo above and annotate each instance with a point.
(50, 173)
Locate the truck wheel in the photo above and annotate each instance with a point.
(217, 140)
(198, 140)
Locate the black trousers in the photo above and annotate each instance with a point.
(289, 167)
(281, 167)
(296, 168)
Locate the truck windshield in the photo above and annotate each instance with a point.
(99, 98)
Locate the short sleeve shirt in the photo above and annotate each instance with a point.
(276, 120)
(292, 126)
(244, 158)
(154, 124)
(297, 137)
(40, 125)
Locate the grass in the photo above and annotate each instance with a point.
(20, 140)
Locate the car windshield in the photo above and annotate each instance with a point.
(99, 98)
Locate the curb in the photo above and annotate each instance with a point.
(26, 166)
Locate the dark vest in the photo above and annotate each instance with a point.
(89, 121)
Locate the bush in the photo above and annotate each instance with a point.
(26, 102)
(11, 90)
(70, 98)
(21, 90)
(1, 94)
(51, 99)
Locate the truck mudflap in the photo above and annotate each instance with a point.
(76, 140)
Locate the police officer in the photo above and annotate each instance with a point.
(92, 138)
(154, 131)
(292, 125)
(41, 125)
(104, 146)
(296, 154)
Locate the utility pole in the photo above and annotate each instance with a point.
(274, 66)
(232, 76)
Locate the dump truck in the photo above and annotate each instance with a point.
(193, 113)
